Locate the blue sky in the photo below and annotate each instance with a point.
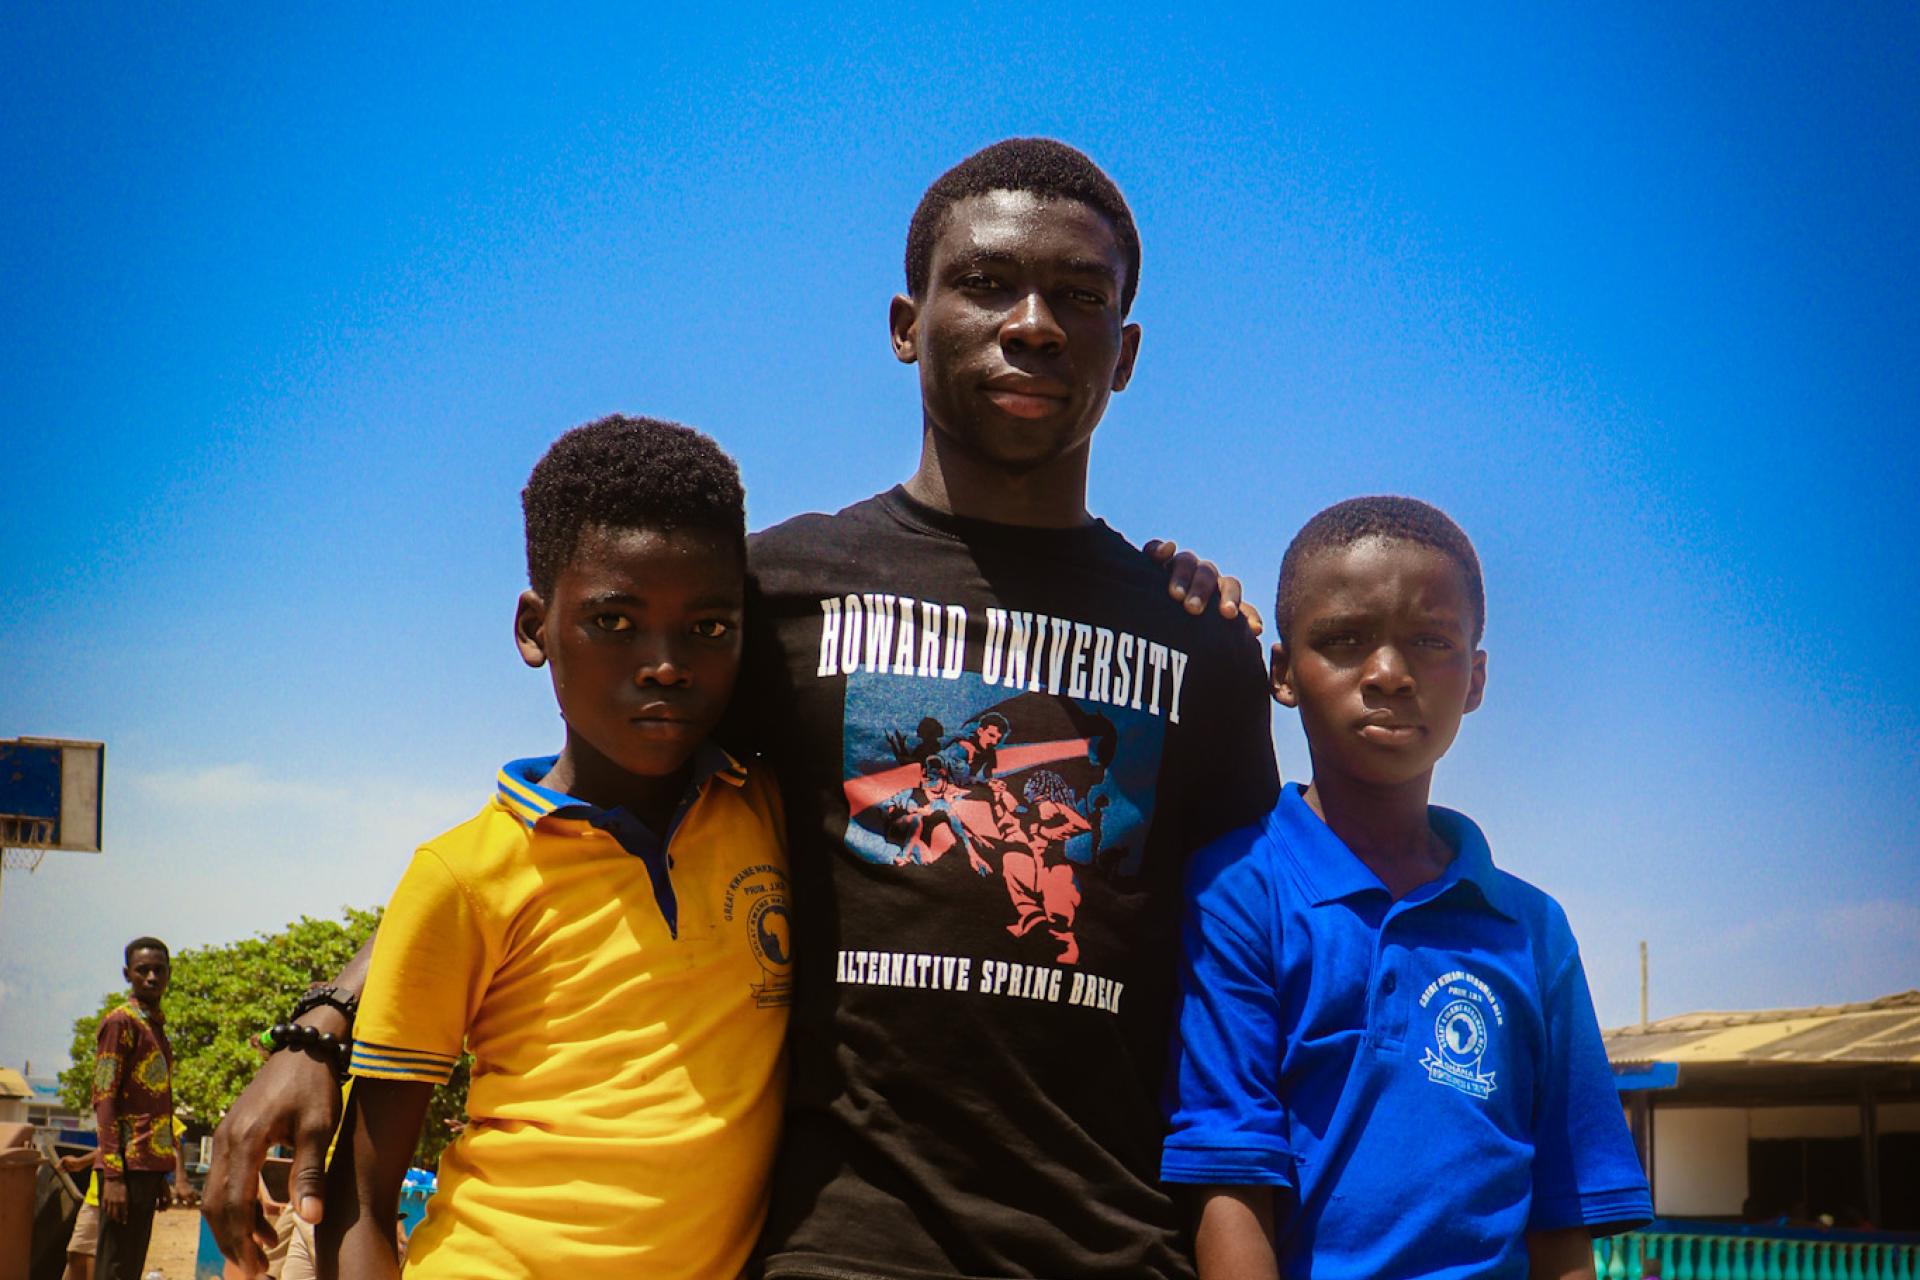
(294, 298)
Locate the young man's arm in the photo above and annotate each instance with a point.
(293, 1098)
(1563, 1254)
(109, 1074)
(1234, 1240)
(377, 1140)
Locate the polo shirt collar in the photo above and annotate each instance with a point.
(1331, 871)
(1473, 861)
(534, 804)
(1324, 863)
(518, 787)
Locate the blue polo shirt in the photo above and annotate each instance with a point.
(1424, 1076)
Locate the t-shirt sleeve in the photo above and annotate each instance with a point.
(431, 964)
(1231, 780)
(1228, 1124)
(1585, 1171)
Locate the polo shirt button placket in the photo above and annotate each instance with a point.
(1387, 1023)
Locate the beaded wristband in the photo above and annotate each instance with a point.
(312, 1041)
(332, 997)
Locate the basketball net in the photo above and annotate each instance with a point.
(23, 842)
(28, 860)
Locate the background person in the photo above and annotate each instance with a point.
(133, 1113)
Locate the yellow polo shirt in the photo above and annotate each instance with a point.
(626, 1006)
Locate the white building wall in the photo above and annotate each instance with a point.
(1699, 1161)
(1700, 1153)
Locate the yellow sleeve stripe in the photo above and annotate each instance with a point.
(408, 1076)
(394, 1055)
(398, 1073)
(384, 1062)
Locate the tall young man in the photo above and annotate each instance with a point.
(133, 1113)
(974, 1094)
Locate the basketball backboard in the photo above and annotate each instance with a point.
(49, 798)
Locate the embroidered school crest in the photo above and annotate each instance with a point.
(758, 896)
(1461, 1032)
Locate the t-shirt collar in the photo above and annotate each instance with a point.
(918, 515)
(1331, 871)
(518, 787)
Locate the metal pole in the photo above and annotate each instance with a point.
(1870, 1152)
(1643, 984)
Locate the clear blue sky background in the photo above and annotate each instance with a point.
(293, 299)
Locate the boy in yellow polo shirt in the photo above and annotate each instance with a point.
(609, 936)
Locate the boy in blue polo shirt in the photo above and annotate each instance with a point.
(1388, 1063)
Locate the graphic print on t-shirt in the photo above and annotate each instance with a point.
(1033, 791)
(1001, 771)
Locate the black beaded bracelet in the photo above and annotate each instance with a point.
(312, 1041)
(331, 996)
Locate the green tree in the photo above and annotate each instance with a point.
(223, 996)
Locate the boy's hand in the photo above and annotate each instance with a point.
(294, 1099)
(113, 1199)
(1193, 581)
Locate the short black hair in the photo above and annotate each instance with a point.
(627, 473)
(1049, 169)
(1394, 519)
(147, 944)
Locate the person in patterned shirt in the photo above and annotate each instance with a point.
(133, 1112)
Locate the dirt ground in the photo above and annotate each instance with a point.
(176, 1239)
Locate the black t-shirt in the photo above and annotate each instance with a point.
(996, 745)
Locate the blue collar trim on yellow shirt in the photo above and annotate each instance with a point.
(531, 802)
(520, 791)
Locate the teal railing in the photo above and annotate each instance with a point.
(1639, 1255)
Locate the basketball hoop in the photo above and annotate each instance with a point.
(49, 799)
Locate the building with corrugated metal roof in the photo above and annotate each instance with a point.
(1791, 1115)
